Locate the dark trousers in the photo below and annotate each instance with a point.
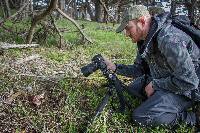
(162, 108)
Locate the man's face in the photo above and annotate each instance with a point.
(134, 31)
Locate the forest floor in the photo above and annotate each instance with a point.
(50, 94)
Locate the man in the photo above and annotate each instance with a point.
(173, 60)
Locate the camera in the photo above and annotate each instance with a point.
(97, 63)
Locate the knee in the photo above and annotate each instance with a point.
(167, 119)
(140, 118)
(152, 120)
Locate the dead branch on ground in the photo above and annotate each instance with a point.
(5, 46)
(27, 59)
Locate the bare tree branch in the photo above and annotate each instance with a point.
(38, 18)
(67, 7)
(74, 22)
(12, 16)
(106, 9)
(58, 31)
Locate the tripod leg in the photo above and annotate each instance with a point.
(102, 104)
(100, 108)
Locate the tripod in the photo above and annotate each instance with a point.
(114, 84)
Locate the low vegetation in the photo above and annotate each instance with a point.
(49, 93)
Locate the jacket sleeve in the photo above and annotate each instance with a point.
(137, 69)
(173, 45)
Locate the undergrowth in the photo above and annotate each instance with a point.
(69, 102)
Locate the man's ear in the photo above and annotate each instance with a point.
(142, 20)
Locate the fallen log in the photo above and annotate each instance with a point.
(5, 46)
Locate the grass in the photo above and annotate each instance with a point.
(70, 103)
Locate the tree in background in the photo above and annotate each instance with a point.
(193, 7)
(5, 8)
(97, 10)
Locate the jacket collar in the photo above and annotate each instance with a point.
(157, 23)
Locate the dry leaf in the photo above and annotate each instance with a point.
(37, 100)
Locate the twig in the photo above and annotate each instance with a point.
(32, 57)
(58, 31)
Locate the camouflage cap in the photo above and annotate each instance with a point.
(132, 12)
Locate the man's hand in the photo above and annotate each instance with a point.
(110, 65)
(149, 89)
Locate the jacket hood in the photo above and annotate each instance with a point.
(157, 24)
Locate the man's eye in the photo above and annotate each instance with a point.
(129, 27)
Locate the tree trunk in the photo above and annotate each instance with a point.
(31, 6)
(15, 14)
(105, 18)
(1, 8)
(38, 18)
(92, 17)
(61, 6)
(191, 10)
(173, 8)
(6, 9)
(75, 13)
(97, 5)
(84, 10)
(27, 10)
(118, 12)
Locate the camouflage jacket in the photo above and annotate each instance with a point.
(139, 68)
(172, 57)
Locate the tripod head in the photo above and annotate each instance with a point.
(114, 82)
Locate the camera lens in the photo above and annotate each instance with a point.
(89, 69)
